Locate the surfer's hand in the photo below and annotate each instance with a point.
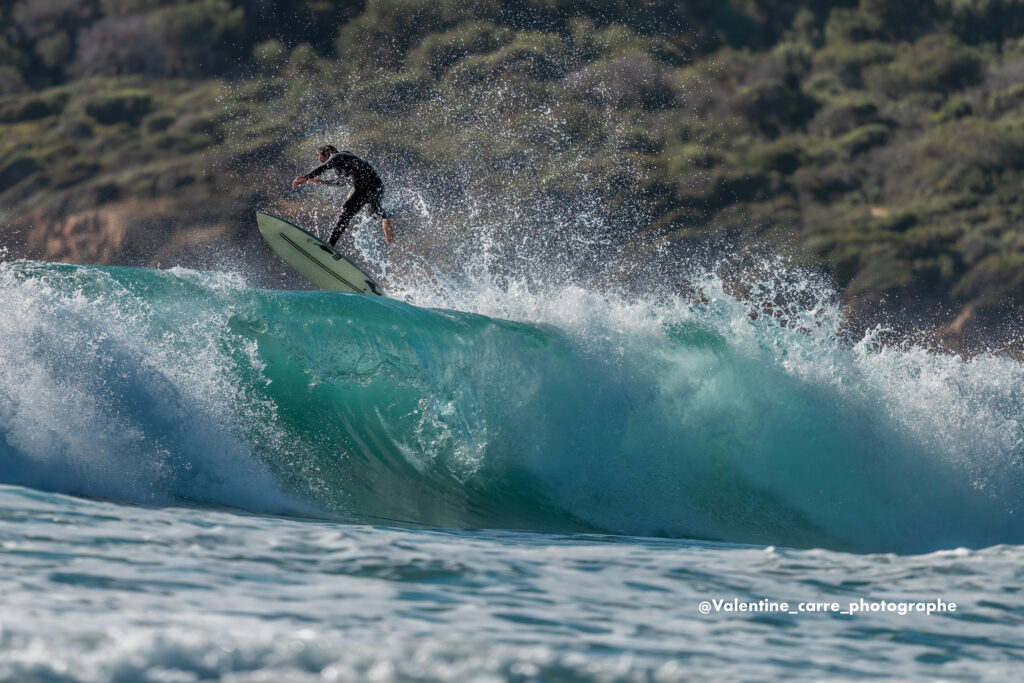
(389, 233)
(299, 180)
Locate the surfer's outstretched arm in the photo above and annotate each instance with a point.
(303, 180)
(311, 177)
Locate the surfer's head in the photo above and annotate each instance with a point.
(324, 153)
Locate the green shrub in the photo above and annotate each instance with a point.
(53, 50)
(395, 95)
(957, 107)
(901, 19)
(990, 147)
(190, 38)
(995, 279)
(11, 55)
(774, 107)
(28, 108)
(849, 60)
(843, 115)
(629, 81)
(984, 21)
(303, 61)
(687, 158)
(851, 25)
(11, 81)
(270, 52)
(75, 128)
(125, 107)
(880, 272)
(827, 184)
(438, 51)
(1010, 99)
(824, 86)
(69, 174)
(158, 122)
(881, 19)
(386, 30)
(17, 170)
(194, 123)
(938, 63)
(533, 54)
(784, 156)
(203, 33)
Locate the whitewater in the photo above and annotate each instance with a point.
(204, 479)
(680, 419)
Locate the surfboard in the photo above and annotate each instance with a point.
(312, 258)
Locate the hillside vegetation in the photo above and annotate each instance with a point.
(880, 140)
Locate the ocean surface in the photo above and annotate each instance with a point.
(201, 479)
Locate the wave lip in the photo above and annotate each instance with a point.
(673, 419)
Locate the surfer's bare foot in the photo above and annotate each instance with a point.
(389, 233)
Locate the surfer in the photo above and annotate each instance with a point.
(367, 188)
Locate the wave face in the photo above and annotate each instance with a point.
(673, 418)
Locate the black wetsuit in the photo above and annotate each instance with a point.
(367, 188)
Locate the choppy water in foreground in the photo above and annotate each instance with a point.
(105, 591)
(200, 479)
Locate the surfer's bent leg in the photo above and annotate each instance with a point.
(375, 203)
(353, 203)
(357, 199)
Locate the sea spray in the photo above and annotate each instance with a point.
(111, 390)
(557, 411)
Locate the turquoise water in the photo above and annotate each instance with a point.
(201, 479)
